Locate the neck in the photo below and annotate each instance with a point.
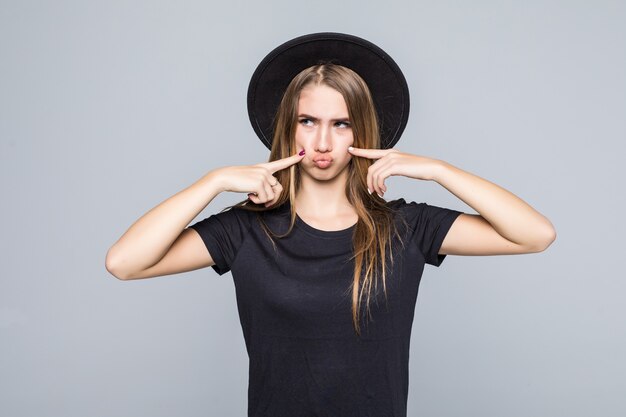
(323, 198)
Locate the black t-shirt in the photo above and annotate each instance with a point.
(295, 307)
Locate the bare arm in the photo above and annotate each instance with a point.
(159, 244)
(150, 238)
(506, 224)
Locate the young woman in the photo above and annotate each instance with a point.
(326, 270)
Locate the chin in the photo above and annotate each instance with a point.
(324, 174)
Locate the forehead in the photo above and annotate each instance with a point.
(321, 99)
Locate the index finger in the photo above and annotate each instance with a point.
(283, 163)
(368, 153)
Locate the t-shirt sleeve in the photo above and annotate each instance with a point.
(428, 227)
(223, 233)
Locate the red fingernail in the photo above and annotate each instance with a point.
(301, 152)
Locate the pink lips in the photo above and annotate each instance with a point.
(322, 162)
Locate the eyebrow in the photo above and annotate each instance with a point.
(315, 118)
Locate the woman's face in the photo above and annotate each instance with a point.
(323, 131)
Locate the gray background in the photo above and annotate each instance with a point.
(108, 108)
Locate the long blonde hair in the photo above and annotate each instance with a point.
(372, 237)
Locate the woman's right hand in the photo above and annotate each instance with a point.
(256, 180)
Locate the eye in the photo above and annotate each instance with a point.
(346, 124)
(304, 121)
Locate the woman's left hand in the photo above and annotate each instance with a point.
(393, 162)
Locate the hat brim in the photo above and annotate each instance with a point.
(379, 71)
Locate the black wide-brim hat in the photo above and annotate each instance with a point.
(379, 71)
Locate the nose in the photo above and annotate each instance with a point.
(323, 143)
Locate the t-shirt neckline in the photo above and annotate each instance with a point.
(324, 233)
(304, 226)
